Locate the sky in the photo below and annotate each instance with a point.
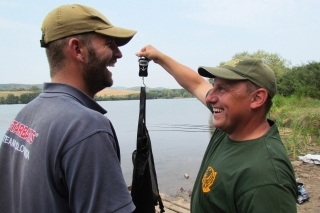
(195, 33)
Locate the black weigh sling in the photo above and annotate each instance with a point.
(144, 190)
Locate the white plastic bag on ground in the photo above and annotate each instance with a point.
(310, 158)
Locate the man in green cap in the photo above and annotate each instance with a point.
(245, 167)
(61, 154)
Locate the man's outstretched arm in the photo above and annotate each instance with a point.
(185, 76)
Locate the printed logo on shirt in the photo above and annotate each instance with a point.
(208, 179)
(23, 131)
(17, 146)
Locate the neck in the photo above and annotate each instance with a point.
(72, 77)
(251, 131)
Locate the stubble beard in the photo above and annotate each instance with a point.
(95, 74)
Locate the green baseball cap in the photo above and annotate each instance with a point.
(244, 68)
(67, 20)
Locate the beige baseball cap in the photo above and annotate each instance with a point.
(67, 20)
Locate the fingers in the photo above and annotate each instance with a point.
(147, 51)
(142, 51)
(139, 54)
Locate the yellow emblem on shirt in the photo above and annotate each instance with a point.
(208, 179)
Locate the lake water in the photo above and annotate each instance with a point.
(179, 132)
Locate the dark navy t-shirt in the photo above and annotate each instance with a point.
(60, 154)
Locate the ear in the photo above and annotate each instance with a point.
(259, 97)
(76, 49)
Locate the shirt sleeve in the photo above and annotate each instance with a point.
(268, 198)
(209, 106)
(91, 170)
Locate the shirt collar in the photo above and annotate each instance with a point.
(81, 97)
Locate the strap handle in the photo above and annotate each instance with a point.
(142, 120)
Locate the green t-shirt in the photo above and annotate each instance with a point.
(248, 176)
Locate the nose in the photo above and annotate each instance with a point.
(212, 97)
(116, 52)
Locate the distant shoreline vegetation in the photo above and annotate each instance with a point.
(151, 94)
(28, 96)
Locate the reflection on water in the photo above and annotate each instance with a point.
(179, 130)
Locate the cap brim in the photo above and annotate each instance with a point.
(212, 72)
(121, 35)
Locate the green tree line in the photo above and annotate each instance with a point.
(19, 99)
(150, 94)
(301, 81)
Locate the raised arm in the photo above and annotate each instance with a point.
(185, 76)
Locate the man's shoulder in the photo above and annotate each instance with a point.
(63, 111)
(68, 103)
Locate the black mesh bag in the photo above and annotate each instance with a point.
(144, 190)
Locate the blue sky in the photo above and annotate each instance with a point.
(195, 33)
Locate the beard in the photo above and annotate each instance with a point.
(95, 74)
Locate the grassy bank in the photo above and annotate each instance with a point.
(298, 119)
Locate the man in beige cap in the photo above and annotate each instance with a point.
(61, 154)
(245, 167)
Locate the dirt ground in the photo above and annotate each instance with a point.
(309, 175)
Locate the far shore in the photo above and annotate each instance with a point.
(105, 92)
(116, 92)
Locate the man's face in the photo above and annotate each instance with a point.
(231, 105)
(102, 52)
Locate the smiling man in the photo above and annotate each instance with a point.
(61, 154)
(245, 167)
